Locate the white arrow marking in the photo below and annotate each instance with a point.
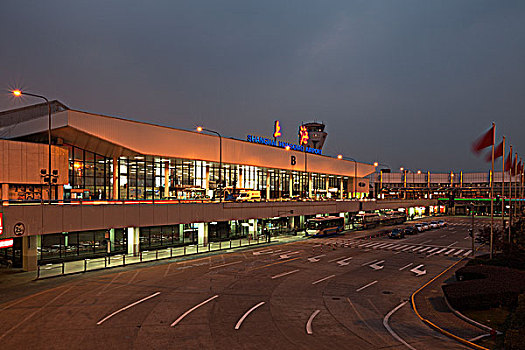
(239, 323)
(287, 255)
(344, 261)
(127, 307)
(375, 266)
(309, 323)
(315, 258)
(192, 309)
(368, 263)
(261, 252)
(417, 271)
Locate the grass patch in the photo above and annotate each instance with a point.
(494, 317)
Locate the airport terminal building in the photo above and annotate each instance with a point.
(121, 186)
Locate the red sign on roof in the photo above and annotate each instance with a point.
(1, 224)
(6, 243)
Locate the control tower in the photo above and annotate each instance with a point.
(316, 134)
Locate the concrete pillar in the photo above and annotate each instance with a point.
(202, 233)
(290, 184)
(111, 240)
(166, 179)
(327, 183)
(5, 194)
(115, 179)
(29, 253)
(268, 185)
(341, 189)
(133, 240)
(240, 183)
(310, 185)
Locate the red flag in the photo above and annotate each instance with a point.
(508, 162)
(513, 169)
(520, 167)
(498, 152)
(484, 141)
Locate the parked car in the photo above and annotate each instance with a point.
(419, 227)
(442, 223)
(434, 224)
(396, 233)
(410, 230)
(426, 226)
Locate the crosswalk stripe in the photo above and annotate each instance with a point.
(382, 245)
(407, 248)
(389, 246)
(417, 248)
(441, 250)
(467, 253)
(450, 251)
(422, 250)
(404, 245)
(459, 252)
(432, 250)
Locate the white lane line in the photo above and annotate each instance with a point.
(368, 263)
(368, 285)
(227, 264)
(467, 253)
(192, 309)
(284, 274)
(426, 241)
(404, 267)
(344, 257)
(309, 323)
(127, 307)
(422, 250)
(323, 279)
(239, 323)
(385, 323)
(450, 251)
(450, 245)
(459, 252)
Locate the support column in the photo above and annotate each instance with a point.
(290, 185)
(29, 253)
(341, 189)
(326, 184)
(115, 182)
(181, 233)
(268, 185)
(202, 233)
(133, 240)
(310, 185)
(111, 240)
(252, 229)
(208, 180)
(166, 179)
(5, 194)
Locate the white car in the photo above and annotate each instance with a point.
(419, 227)
(426, 226)
(434, 224)
(442, 223)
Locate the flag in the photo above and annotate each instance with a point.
(513, 169)
(508, 162)
(484, 141)
(498, 152)
(520, 167)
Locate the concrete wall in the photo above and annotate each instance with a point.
(42, 219)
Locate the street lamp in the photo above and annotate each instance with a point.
(201, 129)
(355, 173)
(47, 176)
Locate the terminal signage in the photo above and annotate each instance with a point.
(281, 144)
(6, 243)
(1, 224)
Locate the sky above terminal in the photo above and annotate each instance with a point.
(404, 83)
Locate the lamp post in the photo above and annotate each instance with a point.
(355, 174)
(47, 177)
(201, 129)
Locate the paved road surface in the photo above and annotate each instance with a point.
(303, 295)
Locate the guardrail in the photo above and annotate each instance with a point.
(121, 260)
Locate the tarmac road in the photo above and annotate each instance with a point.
(309, 294)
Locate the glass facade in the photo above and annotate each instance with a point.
(91, 176)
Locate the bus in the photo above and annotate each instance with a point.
(367, 220)
(324, 226)
(393, 218)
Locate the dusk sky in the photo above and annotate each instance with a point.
(404, 83)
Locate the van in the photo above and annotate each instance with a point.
(249, 196)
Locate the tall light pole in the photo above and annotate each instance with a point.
(201, 129)
(355, 174)
(19, 93)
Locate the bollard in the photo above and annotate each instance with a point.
(124, 260)
(140, 256)
(85, 265)
(105, 263)
(63, 267)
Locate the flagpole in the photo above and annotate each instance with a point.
(510, 191)
(516, 185)
(503, 187)
(492, 194)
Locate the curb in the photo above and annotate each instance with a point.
(434, 326)
(469, 320)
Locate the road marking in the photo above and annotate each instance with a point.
(227, 264)
(467, 237)
(467, 253)
(339, 258)
(275, 263)
(441, 251)
(382, 245)
(404, 267)
(127, 307)
(450, 245)
(443, 236)
(403, 246)
(422, 250)
(323, 279)
(284, 274)
(277, 252)
(287, 255)
(459, 252)
(417, 248)
(368, 285)
(368, 263)
(239, 323)
(192, 309)
(385, 323)
(426, 241)
(314, 259)
(417, 271)
(344, 261)
(408, 248)
(389, 246)
(450, 251)
(261, 252)
(375, 266)
(309, 323)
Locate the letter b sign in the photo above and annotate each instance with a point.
(292, 160)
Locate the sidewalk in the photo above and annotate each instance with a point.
(431, 305)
